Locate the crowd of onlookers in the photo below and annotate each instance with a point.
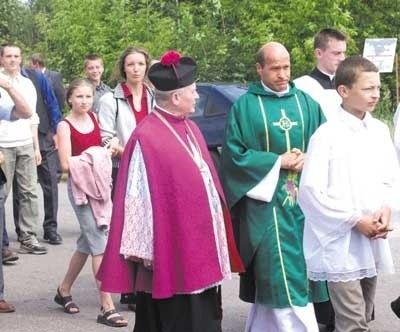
(40, 145)
(159, 226)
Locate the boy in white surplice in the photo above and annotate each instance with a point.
(348, 188)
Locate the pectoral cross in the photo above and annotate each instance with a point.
(286, 125)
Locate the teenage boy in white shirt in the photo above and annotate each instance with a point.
(348, 187)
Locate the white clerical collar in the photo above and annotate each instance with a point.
(168, 112)
(278, 93)
(331, 76)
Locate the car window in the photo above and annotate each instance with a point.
(200, 104)
(217, 104)
(232, 92)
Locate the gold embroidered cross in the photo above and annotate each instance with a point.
(285, 124)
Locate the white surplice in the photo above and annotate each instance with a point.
(351, 169)
(396, 136)
(328, 99)
(264, 319)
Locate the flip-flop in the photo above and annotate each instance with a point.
(66, 302)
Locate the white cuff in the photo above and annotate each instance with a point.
(265, 189)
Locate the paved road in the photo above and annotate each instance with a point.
(31, 285)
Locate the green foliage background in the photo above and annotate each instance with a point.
(222, 35)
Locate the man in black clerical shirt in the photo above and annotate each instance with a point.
(329, 51)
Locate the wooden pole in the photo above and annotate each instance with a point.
(397, 78)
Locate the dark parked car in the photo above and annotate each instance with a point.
(212, 109)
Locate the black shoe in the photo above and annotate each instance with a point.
(8, 256)
(330, 327)
(53, 238)
(128, 298)
(395, 305)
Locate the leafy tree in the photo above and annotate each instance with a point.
(15, 23)
(222, 35)
(70, 30)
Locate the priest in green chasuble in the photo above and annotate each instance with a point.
(267, 135)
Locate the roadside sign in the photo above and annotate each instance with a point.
(381, 51)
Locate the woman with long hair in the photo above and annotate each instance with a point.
(121, 111)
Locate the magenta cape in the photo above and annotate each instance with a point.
(185, 254)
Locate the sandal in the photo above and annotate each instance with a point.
(114, 321)
(66, 302)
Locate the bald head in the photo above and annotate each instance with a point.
(273, 66)
(271, 50)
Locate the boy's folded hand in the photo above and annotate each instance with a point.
(367, 226)
(382, 218)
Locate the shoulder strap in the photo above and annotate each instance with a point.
(117, 108)
(68, 123)
(151, 93)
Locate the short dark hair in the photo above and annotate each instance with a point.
(321, 39)
(37, 59)
(3, 46)
(350, 68)
(75, 84)
(128, 51)
(91, 57)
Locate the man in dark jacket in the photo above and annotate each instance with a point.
(49, 113)
(36, 62)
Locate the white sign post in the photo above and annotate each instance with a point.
(381, 52)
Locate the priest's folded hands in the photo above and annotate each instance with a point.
(293, 160)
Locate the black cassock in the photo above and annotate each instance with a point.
(180, 313)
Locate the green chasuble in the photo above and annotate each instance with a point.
(262, 126)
